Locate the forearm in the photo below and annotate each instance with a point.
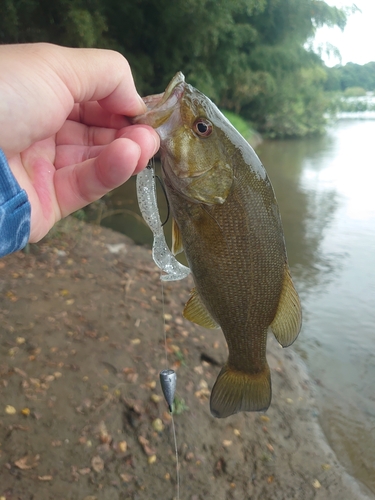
(15, 211)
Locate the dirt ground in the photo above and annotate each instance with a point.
(81, 410)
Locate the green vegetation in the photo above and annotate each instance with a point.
(243, 127)
(179, 406)
(351, 75)
(249, 56)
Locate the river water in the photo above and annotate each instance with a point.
(326, 192)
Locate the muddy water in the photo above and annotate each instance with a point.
(326, 192)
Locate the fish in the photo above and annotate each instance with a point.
(227, 221)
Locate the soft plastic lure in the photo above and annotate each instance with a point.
(163, 257)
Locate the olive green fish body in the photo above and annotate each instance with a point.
(228, 223)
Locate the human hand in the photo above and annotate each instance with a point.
(64, 127)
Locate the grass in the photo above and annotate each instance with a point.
(243, 127)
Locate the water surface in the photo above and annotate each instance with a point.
(326, 192)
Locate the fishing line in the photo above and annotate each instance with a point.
(170, 403)
(166, 200)
(164, 259)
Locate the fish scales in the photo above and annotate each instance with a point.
(253, 277)
(227, 221)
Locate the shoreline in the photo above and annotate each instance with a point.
(82, 346)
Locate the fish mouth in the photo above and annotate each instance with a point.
(161, 106)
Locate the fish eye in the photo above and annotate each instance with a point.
(202, 127)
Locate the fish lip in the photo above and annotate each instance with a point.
(161, 106)
(175, 86)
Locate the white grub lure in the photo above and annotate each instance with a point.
(163, 257)
(168, 379)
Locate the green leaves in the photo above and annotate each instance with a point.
(247, 55)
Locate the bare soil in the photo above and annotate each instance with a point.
(82, 414)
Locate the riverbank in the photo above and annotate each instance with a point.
(82, 415)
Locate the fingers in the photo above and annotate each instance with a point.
(91, 113)
(80, 184)
(58, 78)
(77, 143)
(74, 133)
(99, 75)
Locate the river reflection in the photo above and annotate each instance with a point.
(325, 189)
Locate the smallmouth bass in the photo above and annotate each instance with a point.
(226, 220)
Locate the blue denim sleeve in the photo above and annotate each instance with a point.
(15, 211)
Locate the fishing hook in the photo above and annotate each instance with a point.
(149, 166)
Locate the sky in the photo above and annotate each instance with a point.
(357, 42)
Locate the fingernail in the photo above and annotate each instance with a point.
(142, 102)
(157, 143)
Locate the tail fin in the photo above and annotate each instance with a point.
(236, 391)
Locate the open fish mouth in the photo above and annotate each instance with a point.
(161, 106)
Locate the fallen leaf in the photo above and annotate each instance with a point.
(145, 445)
(27, 462)
(10, 410)
(126, 477)
(84, 471)
(20, 372)
(122, 446)
(316, 484)
(104, 435)
(97, 464)
(158, 425)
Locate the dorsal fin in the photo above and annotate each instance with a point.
(196, 312)
(286, 324)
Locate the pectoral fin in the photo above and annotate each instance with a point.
(287, 322)
(196, 312)
(177, 246)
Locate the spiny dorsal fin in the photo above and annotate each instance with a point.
(176, 238)
(196, 312)
(287, 322)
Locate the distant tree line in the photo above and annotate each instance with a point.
(249, 56)
(340, 78)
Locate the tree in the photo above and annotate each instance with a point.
(247, 55)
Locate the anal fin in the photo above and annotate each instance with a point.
(196, 312)
(286, 324)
